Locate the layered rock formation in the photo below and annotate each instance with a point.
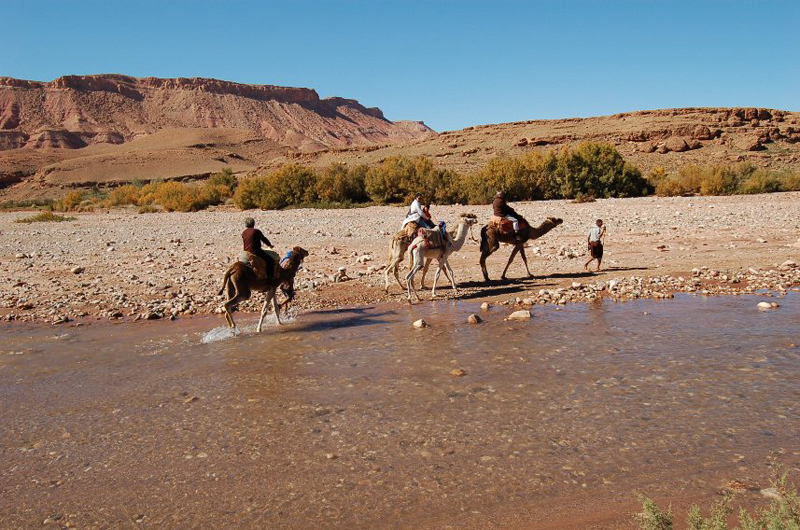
(73, 112)
(668, 138)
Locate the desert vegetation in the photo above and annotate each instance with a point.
(587, 172)
(783, 512)
(44, 217)
(743, 178)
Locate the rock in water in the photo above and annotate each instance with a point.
(485, 306)
(522, 314)
(764, 306)
(419, 324)
(474, 319)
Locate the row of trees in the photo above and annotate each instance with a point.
(591, 169)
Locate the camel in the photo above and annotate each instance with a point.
(399, 247)
(421, 256)
(492, 237)
(241, 280)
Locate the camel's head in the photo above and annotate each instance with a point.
(298, 255)
(469, 218)
(555, 220)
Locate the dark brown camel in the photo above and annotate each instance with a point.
(491, 239)
(241, 281)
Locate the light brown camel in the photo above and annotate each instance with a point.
(240, 281)
(491, 239)
(399, 247)
(421, 254)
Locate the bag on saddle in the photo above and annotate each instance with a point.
(504, 225)
(259, 265)
(433, 237)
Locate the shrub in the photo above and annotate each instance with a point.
(339, 184)
(122, 196)
(392, 181)
(783, 514)
(27, 203)
(251, 193)
(598, 170)
(147, 209)
(224, 178)
(44, 217)
(70, 202)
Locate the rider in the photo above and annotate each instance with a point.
(503, 210)
(418, 213)
(252, 238)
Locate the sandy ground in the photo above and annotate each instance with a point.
(119, 265)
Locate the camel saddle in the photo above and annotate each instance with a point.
(407, 233)
(259, 266)
(433, 238)
(505, 226)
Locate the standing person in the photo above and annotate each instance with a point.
(252, 239)
(596, 235)
(503, 210)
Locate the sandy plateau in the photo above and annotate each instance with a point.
(123, 266)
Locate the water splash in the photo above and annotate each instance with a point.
(224, 333)
(218, 334)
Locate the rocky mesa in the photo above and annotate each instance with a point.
(69, 127)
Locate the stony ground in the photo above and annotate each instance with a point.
(123, 266)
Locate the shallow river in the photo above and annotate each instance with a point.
(352, 419)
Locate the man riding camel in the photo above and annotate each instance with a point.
(504, 211)
(418, 216)
(252, 238)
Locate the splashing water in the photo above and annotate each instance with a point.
(224, 333)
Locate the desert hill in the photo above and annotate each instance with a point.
(82, 129)
(668, 138)
(86, 130)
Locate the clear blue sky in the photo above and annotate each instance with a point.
(450, 63)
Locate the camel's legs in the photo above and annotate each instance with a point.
(234, 297)
(510, 259)
(416, 266)
(525, 260)
(439, 269)
(277, 307)
(264, 309)
(451, 276)
(424, 272)
(483, 266)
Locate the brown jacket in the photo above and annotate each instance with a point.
(501, 208)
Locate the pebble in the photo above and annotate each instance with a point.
(77, 270)
(419, 324)
(474, 319)
(522, 314)
(485, 306)
(458, 372)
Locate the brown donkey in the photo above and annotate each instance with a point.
(240, 281)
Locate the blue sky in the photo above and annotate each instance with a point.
(452, 64)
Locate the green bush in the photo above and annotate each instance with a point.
(339, 184)
(782, 514)
(224, 178)
(44, 217)
(393, 181)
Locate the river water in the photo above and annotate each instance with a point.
(352, 419)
